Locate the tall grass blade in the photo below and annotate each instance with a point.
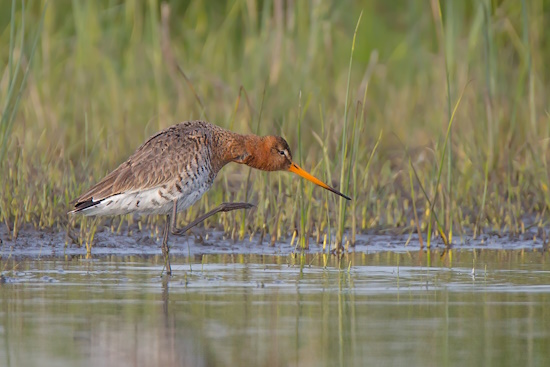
(341, 204)
(449, 126)
(11, 104)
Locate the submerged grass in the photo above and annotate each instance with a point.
(100, 77)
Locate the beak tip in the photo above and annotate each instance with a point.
(300, 172)
(340, 194)
(345, 196)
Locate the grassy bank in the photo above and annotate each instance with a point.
(375, 121)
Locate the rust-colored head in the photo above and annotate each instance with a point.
(272, 153)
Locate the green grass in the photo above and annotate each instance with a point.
(85, 84)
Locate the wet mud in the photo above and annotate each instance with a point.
(35, 243)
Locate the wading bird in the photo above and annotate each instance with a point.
(176, 166)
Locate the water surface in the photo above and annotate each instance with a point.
(481, 307)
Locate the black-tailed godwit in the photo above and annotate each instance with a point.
(176, 166)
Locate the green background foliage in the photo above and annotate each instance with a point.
(103, 78)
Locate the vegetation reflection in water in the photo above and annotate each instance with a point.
(467, 308)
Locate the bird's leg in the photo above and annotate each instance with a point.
(165, 247)
(224, 207)
(174, 215)
(170, 226)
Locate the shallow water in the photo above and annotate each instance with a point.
(480, 307)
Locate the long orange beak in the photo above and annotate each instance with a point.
(300, 172)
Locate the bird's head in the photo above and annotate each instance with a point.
(272, 153)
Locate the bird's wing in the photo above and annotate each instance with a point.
(160, 160)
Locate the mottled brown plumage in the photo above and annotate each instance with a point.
(162, 160)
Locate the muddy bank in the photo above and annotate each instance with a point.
(34, 243)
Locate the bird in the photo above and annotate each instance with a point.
(176, 166)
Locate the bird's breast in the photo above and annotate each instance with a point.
(189, 188)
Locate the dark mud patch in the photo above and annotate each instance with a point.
(35, 243)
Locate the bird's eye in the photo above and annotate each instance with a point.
(281, 152)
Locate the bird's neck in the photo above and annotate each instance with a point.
(246, 149)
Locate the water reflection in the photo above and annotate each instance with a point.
(381, 309)
(141, 338)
